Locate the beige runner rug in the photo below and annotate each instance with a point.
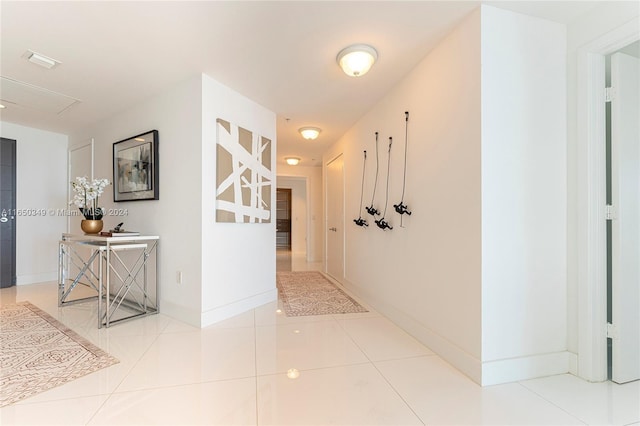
(310, 293)
(38, 353)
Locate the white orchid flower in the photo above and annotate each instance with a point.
(87, 193)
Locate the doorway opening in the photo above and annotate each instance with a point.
(7, 213)
(591, 249)
(622, 191)
(283, 219)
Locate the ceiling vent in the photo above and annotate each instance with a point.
(27, 95)
(41, 60)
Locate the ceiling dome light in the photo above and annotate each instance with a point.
(357, 59)
(292, 161)
(309, 133)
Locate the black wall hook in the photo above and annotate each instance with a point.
(402, 208)
(383, 224)
(360, 222)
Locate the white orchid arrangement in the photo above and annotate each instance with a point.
(87, 194)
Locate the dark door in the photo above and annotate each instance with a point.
(283, 218)
(7, 213)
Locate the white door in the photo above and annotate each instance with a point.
(625, 186)
(335, 218)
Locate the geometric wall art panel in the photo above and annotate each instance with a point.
(243, 175)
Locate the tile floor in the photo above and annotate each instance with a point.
(264, 368)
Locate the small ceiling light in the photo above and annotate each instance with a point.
(292, 161)
(43, 61)
(357, 59)
(309, 133)
(293, 373)
(2, 106)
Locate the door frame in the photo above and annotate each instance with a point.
(592, 231)
(326, 218)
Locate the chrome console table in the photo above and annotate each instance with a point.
(116, 268)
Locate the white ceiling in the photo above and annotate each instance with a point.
(280, 54)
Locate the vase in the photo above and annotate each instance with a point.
(94, 214)
(91, 226)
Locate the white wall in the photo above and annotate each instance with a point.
(425, 276)
(478, 273)
(315, 214)
(524, 194)
(41, 184)
(299, 221)
(238, 260)
(175, 217)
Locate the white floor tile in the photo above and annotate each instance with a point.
(304, 346)
(246, 319)
(273, 314)
(357, 315)
(176, 326)
(128, 349)
(441, 395)
(101, 382)
(604, 403)
(231, 402)
(381, 339)
(173, 373)
(351, 395)
(186, 358)
(76, 411)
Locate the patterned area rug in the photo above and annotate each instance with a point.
(310, 293)
(39, 353)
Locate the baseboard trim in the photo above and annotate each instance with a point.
(36, 278)
(220, 313)
(179, 312)
(573, 363)
(449, 352)
(524, 368)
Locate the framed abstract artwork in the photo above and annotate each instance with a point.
(135, 168)
(244, 176)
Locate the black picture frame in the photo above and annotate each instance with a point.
(136, 168)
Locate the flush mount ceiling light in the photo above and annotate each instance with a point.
(309, 133)
(41, 60)
(292, 161)
(357, 59)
